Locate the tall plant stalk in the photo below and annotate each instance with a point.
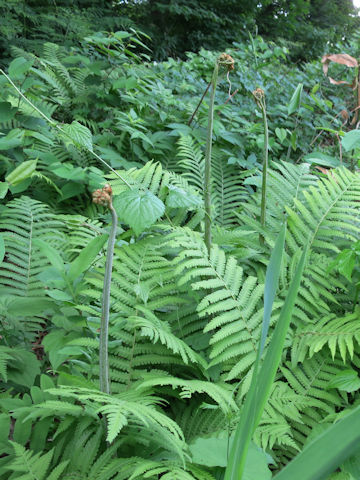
(207, 176)
(227, 61)
(259, 96)
(104, 197)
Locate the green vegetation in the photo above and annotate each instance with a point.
(179, 276)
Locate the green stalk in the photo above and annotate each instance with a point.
(105, 310)
(260, 100)
(207, 179)
(265, 165)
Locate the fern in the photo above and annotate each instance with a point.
(143, 284)
(121, 410)
(228, 191)
(29, 466)
(310, 380)
(339, 334)
(5, 356)
(22, 221)
(233, 305)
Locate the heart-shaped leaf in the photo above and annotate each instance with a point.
(138, 209)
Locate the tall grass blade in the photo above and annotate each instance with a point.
(245, 428)
(324, 454)
(262, 379)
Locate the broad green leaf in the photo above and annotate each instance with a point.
(346, 381)
(323, 455)
(213, 452)
(86, 256)
(52, 277)
(24, 368)
(79, 134)
(179, 198)
(27, 306)
(294, 103)
(281, 133)
(4, 187)
(351, 140)
(51, 253)
(12, 140)
(59, 295)
(7, 112)
(2, 248)
(138, 209)
(319, 158)
(345, 263)
(19, 67)
(22, 172)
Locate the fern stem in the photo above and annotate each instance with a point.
(55, 125)
(105, 310)
(207, 176)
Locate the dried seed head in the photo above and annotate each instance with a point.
(102, 196)
(227, 61)
(259, 94)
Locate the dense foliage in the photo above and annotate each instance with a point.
(184, 324)
(178, 26)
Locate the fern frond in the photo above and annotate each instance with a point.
(338, 333)
(22, 221)
(31, 466)
(233, 306)
(220, 395)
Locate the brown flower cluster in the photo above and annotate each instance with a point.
(259, 94)
(227, 60)
(102, 196)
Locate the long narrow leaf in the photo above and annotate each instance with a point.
(324, 454)
(261, 382)
(273, 355)
(271, 284)
(245, 428)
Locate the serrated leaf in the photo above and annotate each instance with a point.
(294, 103)
(79, 134)
(22, 172)
(138, 209)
